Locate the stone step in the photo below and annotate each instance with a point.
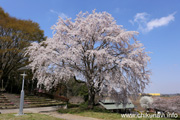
(51, 102)
(2, 97)
(37, 99)
(42, 101)
(29, 101)
(8, 107)
(31, 97)
(4, 100)
(6, 104)
(41, 105)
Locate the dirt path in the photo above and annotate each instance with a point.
(51, 111)
(30, 110)
(69, 116)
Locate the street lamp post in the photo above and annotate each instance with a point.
(22, 91)
(22, 96)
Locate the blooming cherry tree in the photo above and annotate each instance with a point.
(94, 49)
(146, 102)
(167, 104)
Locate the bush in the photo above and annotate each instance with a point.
(99, 109)
(74, 108)
(72, 105)
(84, 105)
(71, 111)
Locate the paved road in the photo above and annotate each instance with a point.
(48, 111)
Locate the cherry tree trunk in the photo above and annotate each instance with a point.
(91, 99)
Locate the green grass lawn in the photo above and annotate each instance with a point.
(103, 114)
(113, 116)
(28, 116)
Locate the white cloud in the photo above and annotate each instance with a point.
(61, 14)
(160, 22)
(141, 16)
(146, 25)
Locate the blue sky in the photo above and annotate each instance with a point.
(157, 21)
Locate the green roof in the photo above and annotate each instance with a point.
(110, 104)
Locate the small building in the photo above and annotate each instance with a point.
(154, 94)
(149, 94)
(120, 108)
